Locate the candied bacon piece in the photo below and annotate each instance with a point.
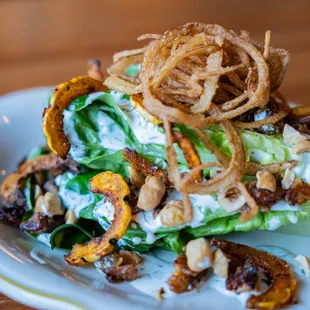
(121, 266)
(264, 197)
(184, 279)
(39, 223)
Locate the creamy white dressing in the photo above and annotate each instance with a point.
(302, 170)
(274, 224)
(154, 272)
(77, 145)
(104, 209)
(75, 201)
(145, 131)
(282, 205)
(200, 204)
(110, 134)
(45, 238)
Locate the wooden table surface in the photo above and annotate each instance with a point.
(44, 42)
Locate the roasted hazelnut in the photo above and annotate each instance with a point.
(198, 254)
(266, 180)
(151, 193)
(172, 215)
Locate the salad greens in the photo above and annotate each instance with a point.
(99, 127)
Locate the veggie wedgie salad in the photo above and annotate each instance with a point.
(185, 138)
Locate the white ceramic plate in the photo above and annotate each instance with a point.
(32, 273)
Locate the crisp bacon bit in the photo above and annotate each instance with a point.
(265, 198)
(183, 279)
(298, 193)
(121, 266)
(247, 278)
(40, 223)
(144, 166)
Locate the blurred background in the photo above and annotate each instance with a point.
(44, 42)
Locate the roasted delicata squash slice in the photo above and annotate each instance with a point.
(190, 154)
(113, 187)
(281, 291)
(62, 97)
(301, 111)
(137, 102)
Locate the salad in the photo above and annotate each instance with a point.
(185, 138)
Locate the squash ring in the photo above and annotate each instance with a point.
(61, 99)
(114, 187)
(281, 291)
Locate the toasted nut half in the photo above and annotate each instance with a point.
(173, 215)
(288, 179)
(220, 263)
(301, 147)
(266, 180)
(137, 102)
(198, 254)
(62, 97)
(136, 178)
(70, 217)
(113, 187)
(37, 192)
(304, 263)
(49, 204)
(151, 193)
(291, 135)
(231, 199)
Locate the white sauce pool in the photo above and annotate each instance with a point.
(145, 131)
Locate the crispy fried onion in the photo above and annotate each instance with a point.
(62, 97)
(283, 286)
(41, 163)
(114, 187)
(198, 75)
(145, 167)
(94, 70)
(283, 111)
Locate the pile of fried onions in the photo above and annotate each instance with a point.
(199, 75)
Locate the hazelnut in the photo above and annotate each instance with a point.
(266, 180)
(301, 147)
(291, 135)
(198, 254)
(151, 193)
(70, 217)
(288, 179)
(37, 192)
(172, 215)
(304, 262)
(49, 204)
(136, 178)
(220, 263)
(231, 199)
